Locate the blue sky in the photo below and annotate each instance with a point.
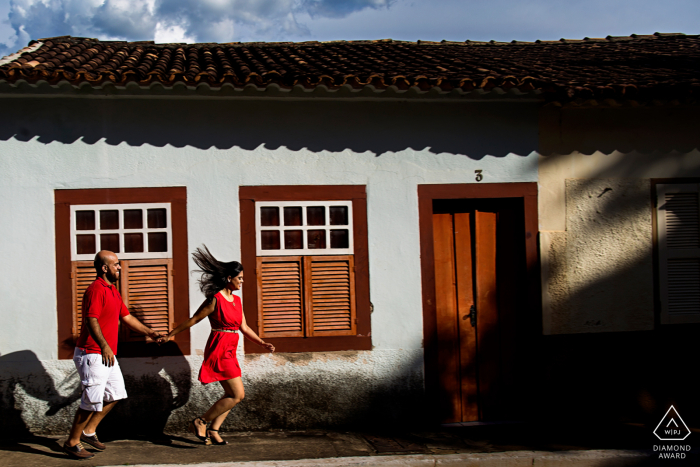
(302, 20)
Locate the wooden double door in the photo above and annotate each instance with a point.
(479, 271)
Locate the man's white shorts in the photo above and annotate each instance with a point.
(100, 383)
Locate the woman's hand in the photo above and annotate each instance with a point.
(164, 339)
(268, 346)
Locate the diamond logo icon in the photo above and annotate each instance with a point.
(672, 427)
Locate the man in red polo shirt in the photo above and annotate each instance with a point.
(95, 355)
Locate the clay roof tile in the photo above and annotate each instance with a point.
(662, 65)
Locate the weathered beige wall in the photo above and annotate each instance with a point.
(596, 207)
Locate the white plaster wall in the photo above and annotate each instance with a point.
(390, 147)
(32, 170)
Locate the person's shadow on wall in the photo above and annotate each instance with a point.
(24, 378)
(156, 387)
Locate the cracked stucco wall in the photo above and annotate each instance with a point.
(600, 275)
(596, 208)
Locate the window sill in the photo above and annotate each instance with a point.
(312, 344)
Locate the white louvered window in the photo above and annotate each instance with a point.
(678, 228)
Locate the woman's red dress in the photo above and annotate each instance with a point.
(220, 362)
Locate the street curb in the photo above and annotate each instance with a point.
(608, 457)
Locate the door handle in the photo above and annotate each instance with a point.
(471, 316)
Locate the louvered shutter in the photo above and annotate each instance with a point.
(330, 295)
(82, 275)
(146, 288)
(678, 227)
(280, 311)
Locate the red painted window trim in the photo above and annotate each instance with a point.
(248, 195)
(177, 197)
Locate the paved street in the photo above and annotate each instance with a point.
(502, 445)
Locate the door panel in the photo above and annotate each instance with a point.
(488, 339)
(479, 265)
(465, 302)
(446, 308)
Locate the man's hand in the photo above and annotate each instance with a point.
(154, 336)
(164, 339)
(107, 356)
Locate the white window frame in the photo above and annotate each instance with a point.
(121, 231)
(281, 228)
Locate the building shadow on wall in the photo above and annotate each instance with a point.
(331, 399)
(608, 376)
(23, 375)
(473, 129)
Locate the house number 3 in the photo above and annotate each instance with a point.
(479, 175)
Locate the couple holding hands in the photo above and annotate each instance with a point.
(96, 348)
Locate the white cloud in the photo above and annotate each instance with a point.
(172, 33)
(167, 20)
(291, 20)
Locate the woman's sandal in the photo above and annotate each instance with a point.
(193, 429)
(213, 441)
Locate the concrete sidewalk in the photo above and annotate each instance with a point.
(516, 459)
(496, 445)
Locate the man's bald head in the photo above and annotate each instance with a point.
(107, 266)
(103, 258)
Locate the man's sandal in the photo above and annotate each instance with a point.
(215, 442)
(193, 429)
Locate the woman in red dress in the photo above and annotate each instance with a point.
(226, 317)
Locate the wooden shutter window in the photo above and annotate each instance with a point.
(330, 295)
(280, 296)
(678, 227)
(147, 292)
(82, 275)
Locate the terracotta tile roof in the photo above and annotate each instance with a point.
(659, 66)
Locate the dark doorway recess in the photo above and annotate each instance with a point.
(480, 300)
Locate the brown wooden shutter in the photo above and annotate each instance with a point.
(678, 229)
(147, 287)
(330, 295)
(280, 296)
(82, 275)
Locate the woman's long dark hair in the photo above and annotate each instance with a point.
(214, 272)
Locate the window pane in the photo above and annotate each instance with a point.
(270, 216)
(133, 243)
(109, 220)
(157, 241)
(84, 220)
(292, 216)
(293, 239)
(109, 241)
(316, 215)
(156, 219)
(340, 239)
(133, 219)
(270, 240)
(316, 239)
(85, 244)
(339, 215)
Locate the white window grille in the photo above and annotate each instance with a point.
(132, 231)
(291, 228)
